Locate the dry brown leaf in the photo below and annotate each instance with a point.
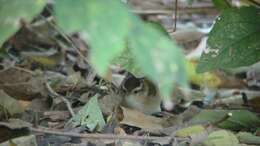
(108, 103)
(138, 119)
(22, 84)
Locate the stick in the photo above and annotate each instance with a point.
(54, 94)
(99, 136)
(175, 16)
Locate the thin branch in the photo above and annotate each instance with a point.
(100, 136)
(55, 94)
(175, 15)
(183, 10)
(65, 36)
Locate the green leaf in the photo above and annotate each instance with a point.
(13, 11)
(159, 27)
(127, 62)
(159, 57)
(90, 116)
(240, 119)
(249, 138)
(233, 41)
(221, 138)
(126, 59)
(189, 131)
(105, 25)
(9, 105)
(221, 4)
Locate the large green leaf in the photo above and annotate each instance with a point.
(127, 62)
(240, 119)
(233, 41)
(105, 24)
(13, 11)
(159, 57)
(126, 59)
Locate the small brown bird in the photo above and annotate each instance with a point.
(142, 95)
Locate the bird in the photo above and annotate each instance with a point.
(142, 95)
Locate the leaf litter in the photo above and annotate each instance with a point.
(57, 98)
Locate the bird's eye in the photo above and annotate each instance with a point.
(135, 91)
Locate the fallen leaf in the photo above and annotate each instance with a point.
(22, 84)
(108, 103)
(221, 138)
(192, 130)
(14, 128)
(140, 120)
(248, 138)
(90, 116)
(240, 119)
(29, 140)
(9, 105)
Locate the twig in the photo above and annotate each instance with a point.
(152, 12)
(183, 10)
(41, 22)
(23, 70)
(175, 15)
(83, 89)
(54, 94)
(65, 36)
(100, 136)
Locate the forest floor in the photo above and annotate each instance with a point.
(50, 94)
